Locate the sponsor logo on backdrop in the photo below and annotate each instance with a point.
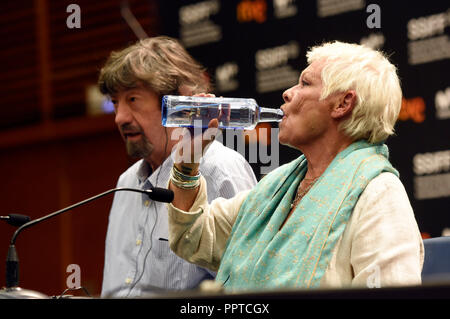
(413, 109)
(428, 41)
(432, 172)
(374, 40)
(284, 8)
(273, 71)
(225, 76)
(327, 8)
(196, 26)
(442, 104)
(251, 10)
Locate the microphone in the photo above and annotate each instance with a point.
(12, 261)
(160, 194)
(16, 219)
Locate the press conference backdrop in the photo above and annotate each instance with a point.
(256, 48)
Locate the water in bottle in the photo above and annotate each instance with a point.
(234, 113)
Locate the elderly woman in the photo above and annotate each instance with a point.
(337, 216)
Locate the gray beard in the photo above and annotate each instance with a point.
(140, 149)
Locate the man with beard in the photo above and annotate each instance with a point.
(138, 259)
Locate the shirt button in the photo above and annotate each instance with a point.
(128, 281)
(147, 202)
(138, 242)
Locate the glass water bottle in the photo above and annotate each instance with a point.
(234, 113)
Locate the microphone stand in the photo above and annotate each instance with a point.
(12, 260)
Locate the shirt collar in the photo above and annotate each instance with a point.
(160, 175)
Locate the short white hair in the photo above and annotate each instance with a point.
(374, 79)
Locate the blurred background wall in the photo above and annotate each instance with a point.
(59, 144)
(58, 141)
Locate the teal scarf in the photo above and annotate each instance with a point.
(260, 255)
